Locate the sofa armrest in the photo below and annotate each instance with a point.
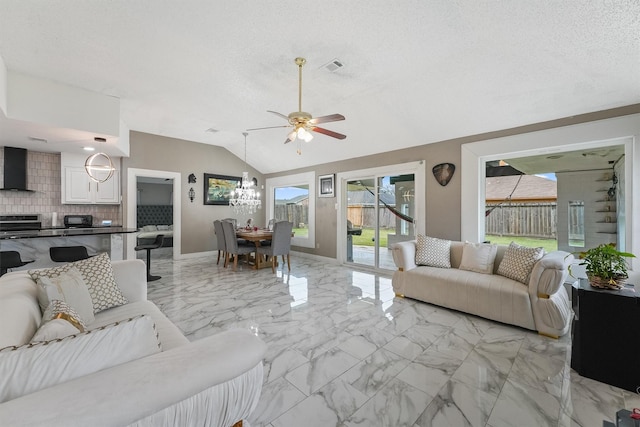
(549, 273)
(549, 300)
(126, 393)
(404, 255)
(131, 278)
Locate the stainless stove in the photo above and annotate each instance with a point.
(20, 222)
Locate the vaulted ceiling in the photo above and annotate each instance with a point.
(414, 72)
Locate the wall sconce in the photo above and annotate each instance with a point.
(192, 194)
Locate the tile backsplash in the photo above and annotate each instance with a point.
(44, 178)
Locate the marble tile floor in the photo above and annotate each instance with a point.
(344, 351)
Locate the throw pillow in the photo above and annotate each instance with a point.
(62, 310)
(478, 257)
(97, 274)
(433, 252)
(70, 288)
(54, 329)
(150, 228)
(31, 367)
(163, 227)
(518, 261)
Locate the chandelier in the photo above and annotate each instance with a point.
(244, 199)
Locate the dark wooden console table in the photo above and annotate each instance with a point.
(606, 334)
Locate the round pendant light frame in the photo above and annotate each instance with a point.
(98, 163)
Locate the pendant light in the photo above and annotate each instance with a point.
(99, 166)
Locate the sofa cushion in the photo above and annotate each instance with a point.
(70, 288)
(433, 252)
(478, 257)
(518, 261)
(31, 367)
(98, 275)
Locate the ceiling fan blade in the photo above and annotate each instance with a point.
(325, 119)
(288, 140)
(270, 127)
(278, 114)
(328, 132)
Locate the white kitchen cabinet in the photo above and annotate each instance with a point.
(78, 188)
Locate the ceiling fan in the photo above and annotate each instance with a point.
(303, 123)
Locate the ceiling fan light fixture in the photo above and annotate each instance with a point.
(307, 137)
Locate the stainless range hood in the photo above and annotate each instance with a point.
(15, 169)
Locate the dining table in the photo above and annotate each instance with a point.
(256, 236)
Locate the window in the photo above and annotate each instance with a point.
(292, 198)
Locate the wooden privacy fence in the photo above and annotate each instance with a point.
(297, 214)
(522, 219)
(365, 217)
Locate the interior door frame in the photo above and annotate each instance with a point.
(418, 169)
(132, 202)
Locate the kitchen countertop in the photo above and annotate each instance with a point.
(62, 232)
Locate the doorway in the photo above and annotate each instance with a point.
(379, 207)
(133, 177)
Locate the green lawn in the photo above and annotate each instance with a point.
(366, 238)
(549, 245)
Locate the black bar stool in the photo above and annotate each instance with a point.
(10, 259)
(68, 253)
(155, 245)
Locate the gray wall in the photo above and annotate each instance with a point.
(185, 157)
(154, 194)
(443, 204)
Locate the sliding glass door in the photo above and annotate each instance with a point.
(380, 211)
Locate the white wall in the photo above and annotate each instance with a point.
(154, 194)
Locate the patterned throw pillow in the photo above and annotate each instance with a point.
(433, 252)
(61, 310)
(70, 288)
(97, 274)
(518, 261)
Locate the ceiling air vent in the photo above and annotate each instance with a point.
(334, 65)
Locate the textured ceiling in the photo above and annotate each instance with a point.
(415, 72)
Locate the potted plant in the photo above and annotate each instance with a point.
(606, 266)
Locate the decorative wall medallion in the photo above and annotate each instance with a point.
(443, 172)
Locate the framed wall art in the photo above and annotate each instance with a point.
(218, 188)
(326, 185)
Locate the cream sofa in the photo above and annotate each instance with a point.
(542, 305)
(214, 381)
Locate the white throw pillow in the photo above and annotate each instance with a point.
(433, 252)
(70, 288)
(478, 257)
(32, 367)
(163, 227)
(97, 273)
(518, 261)
(150, 228)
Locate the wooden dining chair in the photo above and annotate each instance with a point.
(280, 244)
(222, 244)
(232, 246)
